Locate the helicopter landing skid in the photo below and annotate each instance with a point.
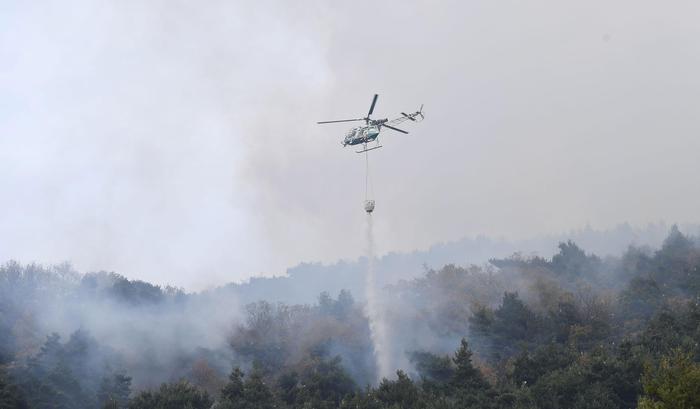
(369, 149)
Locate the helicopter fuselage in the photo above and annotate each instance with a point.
(369, 132)
(361, 134)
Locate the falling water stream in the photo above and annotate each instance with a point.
(377, 323)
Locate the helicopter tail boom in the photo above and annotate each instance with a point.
(413, 116)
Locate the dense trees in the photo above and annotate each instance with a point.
(674, 383)
(575, 331)
(10, 395)
(172, 396)
(74, 374)
(114, 391)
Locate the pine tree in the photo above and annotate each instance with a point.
(470, 388)
(402, 392)
(466, 375)
(233, 390)
(114, 391)
(256, 393)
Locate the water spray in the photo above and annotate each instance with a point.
(377, 323)
(375, 311)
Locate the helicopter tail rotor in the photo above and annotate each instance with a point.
(411, 117)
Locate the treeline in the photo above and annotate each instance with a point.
(574, 331)
(303, 283)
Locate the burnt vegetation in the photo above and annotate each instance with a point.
(574, 331)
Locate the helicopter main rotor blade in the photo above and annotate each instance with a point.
(395, 129)
(341, 120)
(371, 108)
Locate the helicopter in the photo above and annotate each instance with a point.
(369, 132)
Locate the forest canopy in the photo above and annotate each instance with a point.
(572, 331)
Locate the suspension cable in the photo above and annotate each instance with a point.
(366, 175)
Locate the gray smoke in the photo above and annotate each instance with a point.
(176, 142)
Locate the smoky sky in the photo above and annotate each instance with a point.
(176, 141)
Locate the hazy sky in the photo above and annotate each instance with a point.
(176, 141)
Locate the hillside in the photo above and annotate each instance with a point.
(573, 330)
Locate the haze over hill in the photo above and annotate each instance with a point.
(540, 332)
(177, 143)
(304, 282)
